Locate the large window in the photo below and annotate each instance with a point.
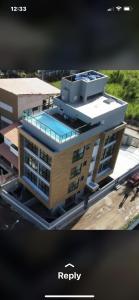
(31, 176)
(6, 106)
(43, 187)
(75, 171)
(78, 154)
(31, 161)
(108, 151)
(73, 186)
(104, 166)
(40, 184)
(32, 147)
(45, 173)
(45, 157)
(110, 138)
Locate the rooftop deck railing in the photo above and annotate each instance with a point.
(47, 130)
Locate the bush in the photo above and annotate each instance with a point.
(116, 77)
(115, 89)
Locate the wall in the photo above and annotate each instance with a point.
(120, 131)
(93, 87)
(82, 88)
(11, 100)
(130, 141)
(61, 170)
(29, 101)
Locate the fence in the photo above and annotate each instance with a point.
(69, 216)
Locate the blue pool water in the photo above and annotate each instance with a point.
(53, 127)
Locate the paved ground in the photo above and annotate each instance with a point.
(128, 158)
(106, 214)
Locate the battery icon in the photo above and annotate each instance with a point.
(126, 8)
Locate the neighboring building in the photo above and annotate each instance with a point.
(19, 94)
(131, 136)
(73, 144)
(9, 147)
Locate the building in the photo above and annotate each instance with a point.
(131, 136)
(73, 144)
(9, 146)
(19, 94)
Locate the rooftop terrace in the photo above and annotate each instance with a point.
(56, 124)
(51, 126)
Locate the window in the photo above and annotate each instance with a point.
(45, 173)
(78, 154)
(43, 187)
(97, 142)
(35, 109)
(31, 176)
(45, 157)
(44, 102)
(31, 161)
(108, 151)
(14, 146)
(76, 171)
(85, 163)
(6, 107)
(110, 138)
(104, 166)
(88, 146)
(32, 147)
(73, 186)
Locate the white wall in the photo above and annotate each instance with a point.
(29, 101)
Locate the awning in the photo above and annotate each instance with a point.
(8, 155)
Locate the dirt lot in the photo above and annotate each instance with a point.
(110, 212)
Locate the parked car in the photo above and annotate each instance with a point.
(133, 181)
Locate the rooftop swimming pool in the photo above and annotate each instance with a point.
(52, 127)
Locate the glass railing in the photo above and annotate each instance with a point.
(47, 130)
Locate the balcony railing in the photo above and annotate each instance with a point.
(47, 130)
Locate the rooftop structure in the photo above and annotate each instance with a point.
(19, 94)
(27, 86)
(97, 105)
